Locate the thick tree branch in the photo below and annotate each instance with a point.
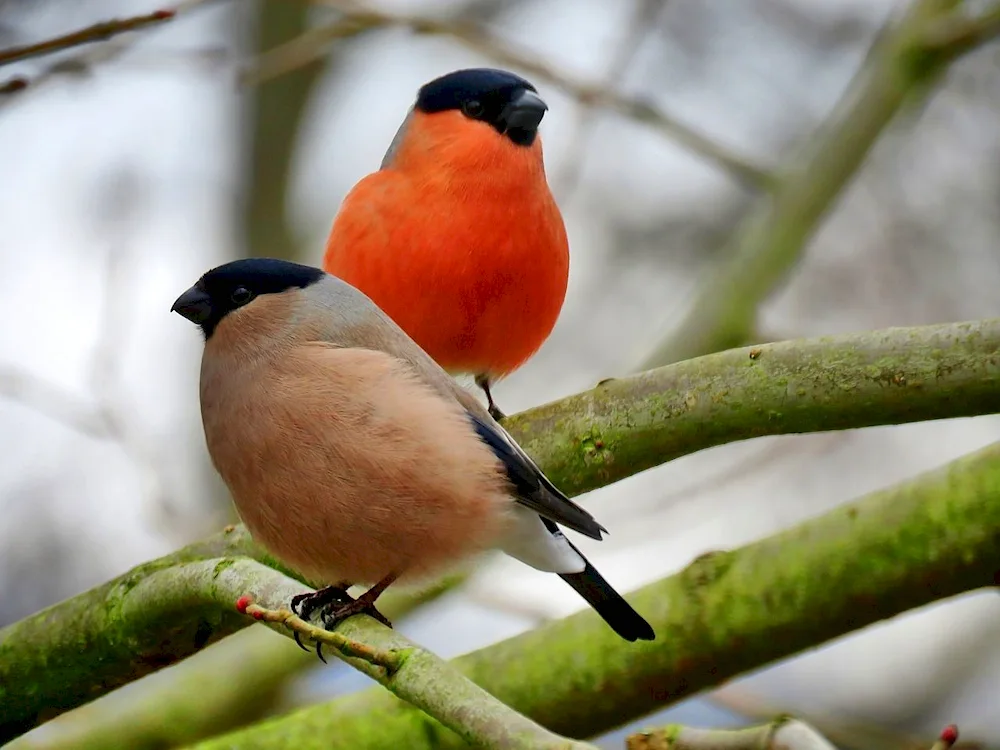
(314, 45)
(220, 689)
(728, 612)
(890, 376)
(781, 734)
(586, 441)
(772, 239)
(193, 604)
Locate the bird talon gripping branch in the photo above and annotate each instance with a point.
(352, 456)
(304, 605)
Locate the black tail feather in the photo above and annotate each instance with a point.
(608, 603)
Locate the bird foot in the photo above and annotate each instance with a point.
(303, 605)
(336, 605)
(333, 615)
(483, 382)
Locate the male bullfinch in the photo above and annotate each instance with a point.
(354, 458)
(457, 237)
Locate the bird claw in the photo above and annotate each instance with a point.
(295, 634)
(304, 605)
(331, 617)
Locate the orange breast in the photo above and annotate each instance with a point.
(472, 261)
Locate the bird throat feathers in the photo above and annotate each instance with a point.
(448, 146)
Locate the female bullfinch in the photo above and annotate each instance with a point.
(457, 237)
(354, 458)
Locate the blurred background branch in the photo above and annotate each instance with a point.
(276, 111)
(781, 734)
(109, 40)
(306, 49)
(770, 241)
(95, 33)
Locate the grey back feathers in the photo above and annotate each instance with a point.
(355, 321)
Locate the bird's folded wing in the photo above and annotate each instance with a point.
(534, 490)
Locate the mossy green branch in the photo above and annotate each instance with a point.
(219, 689)
(729, 612)
(589, 440)
(891, 376)
(904, 63)
(77, 650)
(189, 605)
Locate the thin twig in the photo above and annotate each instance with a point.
(781, 734)
(636, 31)
(947, 738)
(389, 659)
(99, 32)
(40, 395)
(104, 50)
(960, 33)
(312, 46)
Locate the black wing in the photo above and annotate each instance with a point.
(534, 490)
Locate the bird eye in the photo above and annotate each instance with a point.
(473, 108)
(241, 295)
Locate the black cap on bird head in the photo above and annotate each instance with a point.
(232, 285)
(506, 102)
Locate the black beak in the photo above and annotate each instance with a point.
(194, 304)
(522, 115)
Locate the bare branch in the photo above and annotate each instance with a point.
(638, 27)
(782, 734)
(959, 34)
(96, 33)
(355, 21)
(103, 51)
(773, 237)
(38, 394)
(390, 660)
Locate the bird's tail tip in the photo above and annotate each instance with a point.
(609, 604)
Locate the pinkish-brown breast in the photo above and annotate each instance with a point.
(346, 467)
